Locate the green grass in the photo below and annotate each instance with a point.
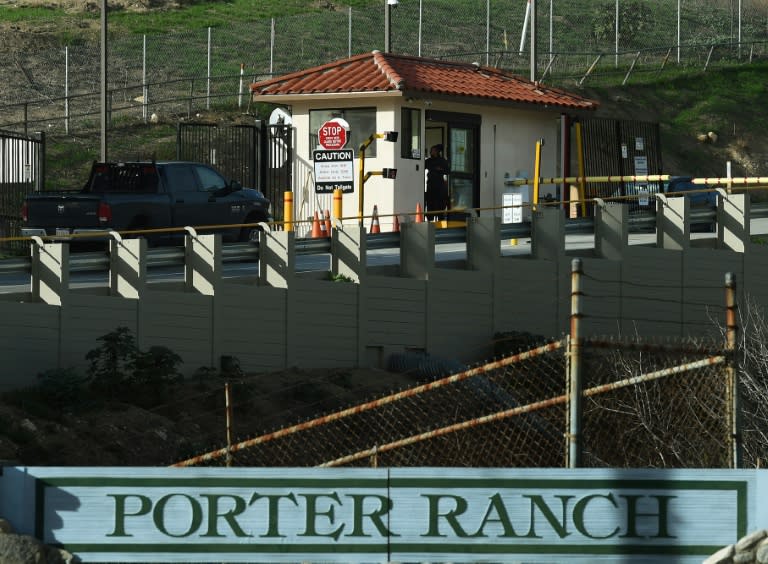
(728, 101)
(29, 15)
(200, 14)
(69, 158)
(684, 104)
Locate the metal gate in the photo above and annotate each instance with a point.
(622, 148)
(22, 170)
(258, 156)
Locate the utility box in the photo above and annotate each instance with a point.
(516, 201)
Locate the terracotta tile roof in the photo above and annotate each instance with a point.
(417, 76)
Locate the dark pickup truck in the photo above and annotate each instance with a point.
(126, 196)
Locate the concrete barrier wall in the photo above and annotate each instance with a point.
(281, 319)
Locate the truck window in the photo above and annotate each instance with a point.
(123, 178)
(180, 178)
(210, 180)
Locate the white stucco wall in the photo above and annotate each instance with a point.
(507, 146)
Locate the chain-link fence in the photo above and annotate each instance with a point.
(660, 405)
(54, 84)
(656, 405)
(594, 402)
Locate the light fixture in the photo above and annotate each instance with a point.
(393, 2)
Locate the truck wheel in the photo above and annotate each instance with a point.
(138, 226)
(251, 233)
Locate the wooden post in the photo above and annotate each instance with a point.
(731, 372)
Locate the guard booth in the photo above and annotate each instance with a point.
(488, 121)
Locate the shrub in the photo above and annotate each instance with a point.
(118, 367)
(62, 387)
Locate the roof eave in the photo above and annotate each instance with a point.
(480, 100)
(286, 98)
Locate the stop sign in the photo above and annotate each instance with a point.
(332, 134)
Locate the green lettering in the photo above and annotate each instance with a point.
(450, 516)
(228, 516)
(313, 513)
(560, 527)
(196, 515)
(496, 507)
(581, 508)
(662, 515)
(385, 506)
(273, 502)
(120, 512)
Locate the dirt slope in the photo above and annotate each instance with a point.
(190, 421)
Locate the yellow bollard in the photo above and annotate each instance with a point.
(288, 210)
(337, 206)
(536, 174)
(580, 161)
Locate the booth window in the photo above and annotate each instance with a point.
(410, 125)
(362, 123)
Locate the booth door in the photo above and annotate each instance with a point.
(462, 149)
(463, 152)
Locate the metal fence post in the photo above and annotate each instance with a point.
(208, 83)
(191, 96)
(228, 406)
(731, 370)
(144, 85)
(66, 90)
(574, 368)
(40, 156)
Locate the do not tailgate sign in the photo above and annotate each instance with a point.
(334, 170)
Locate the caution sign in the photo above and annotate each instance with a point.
(334, 170)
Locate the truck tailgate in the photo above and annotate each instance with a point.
(75, 210)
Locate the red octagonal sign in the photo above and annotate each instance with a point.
(332, 135)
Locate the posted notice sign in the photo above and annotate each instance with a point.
(334, 170)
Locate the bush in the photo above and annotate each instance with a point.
(62, 387)
(118, 367)
(112, 362)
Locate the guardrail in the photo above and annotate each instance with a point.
(92, 261)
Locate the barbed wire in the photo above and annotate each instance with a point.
(647, 285)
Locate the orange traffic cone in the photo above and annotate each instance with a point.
(375, 228)
(419, 213)
(316, 231)
(395, 224)
(323, 229)
(327, 223)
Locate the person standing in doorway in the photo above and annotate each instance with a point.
(438, 169)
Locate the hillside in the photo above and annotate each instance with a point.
(730, 102)
(686, 102)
